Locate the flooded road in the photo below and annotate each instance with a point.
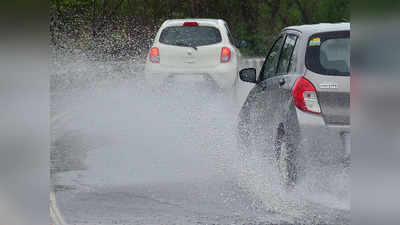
(124, 154)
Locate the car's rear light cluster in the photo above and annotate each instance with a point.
(305, 96)
(225, 55)
(154, 55)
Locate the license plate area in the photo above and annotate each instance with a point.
(188, 77)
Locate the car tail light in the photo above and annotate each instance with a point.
(225, 55)
(305, 96)
(154, 55)
(190, 24)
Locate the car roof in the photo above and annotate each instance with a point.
(311, 29)
(175, 22)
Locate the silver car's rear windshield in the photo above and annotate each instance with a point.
(329, 53)
(190, 35)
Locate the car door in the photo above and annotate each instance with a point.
(285, 75)
(262, 94)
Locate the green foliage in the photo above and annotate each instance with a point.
(257, 21)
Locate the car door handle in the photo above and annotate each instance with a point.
(282, 81)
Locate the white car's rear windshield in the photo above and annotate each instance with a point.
(190, 36)
(329, 53)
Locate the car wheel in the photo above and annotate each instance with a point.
(285, 159)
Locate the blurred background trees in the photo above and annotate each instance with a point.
(125, 28)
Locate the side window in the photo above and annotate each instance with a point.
(271, 61)
(285, 59)
(293, 62)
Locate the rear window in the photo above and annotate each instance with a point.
(190, 36)
(329, 53)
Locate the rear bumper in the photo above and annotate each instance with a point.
(324, 142)
(223, 74)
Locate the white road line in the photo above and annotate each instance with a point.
(55, 215)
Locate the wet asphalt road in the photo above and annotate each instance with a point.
(163, 203)
(123, 155)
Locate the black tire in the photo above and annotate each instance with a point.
(285, 156)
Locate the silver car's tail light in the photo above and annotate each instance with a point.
(305, 96)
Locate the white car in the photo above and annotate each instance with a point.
(194, 50)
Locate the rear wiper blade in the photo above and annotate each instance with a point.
(186, 45)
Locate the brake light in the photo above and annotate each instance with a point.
(154, 55)
(305, 96)
(225, 55)
(190, 24)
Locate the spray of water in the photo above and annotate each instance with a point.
(119, 133)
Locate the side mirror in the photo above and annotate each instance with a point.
(243, 44)
(248, 75)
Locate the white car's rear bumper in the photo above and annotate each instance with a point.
(223, 74)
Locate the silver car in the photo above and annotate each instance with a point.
(298, 113)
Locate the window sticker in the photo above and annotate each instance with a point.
(315, 42)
